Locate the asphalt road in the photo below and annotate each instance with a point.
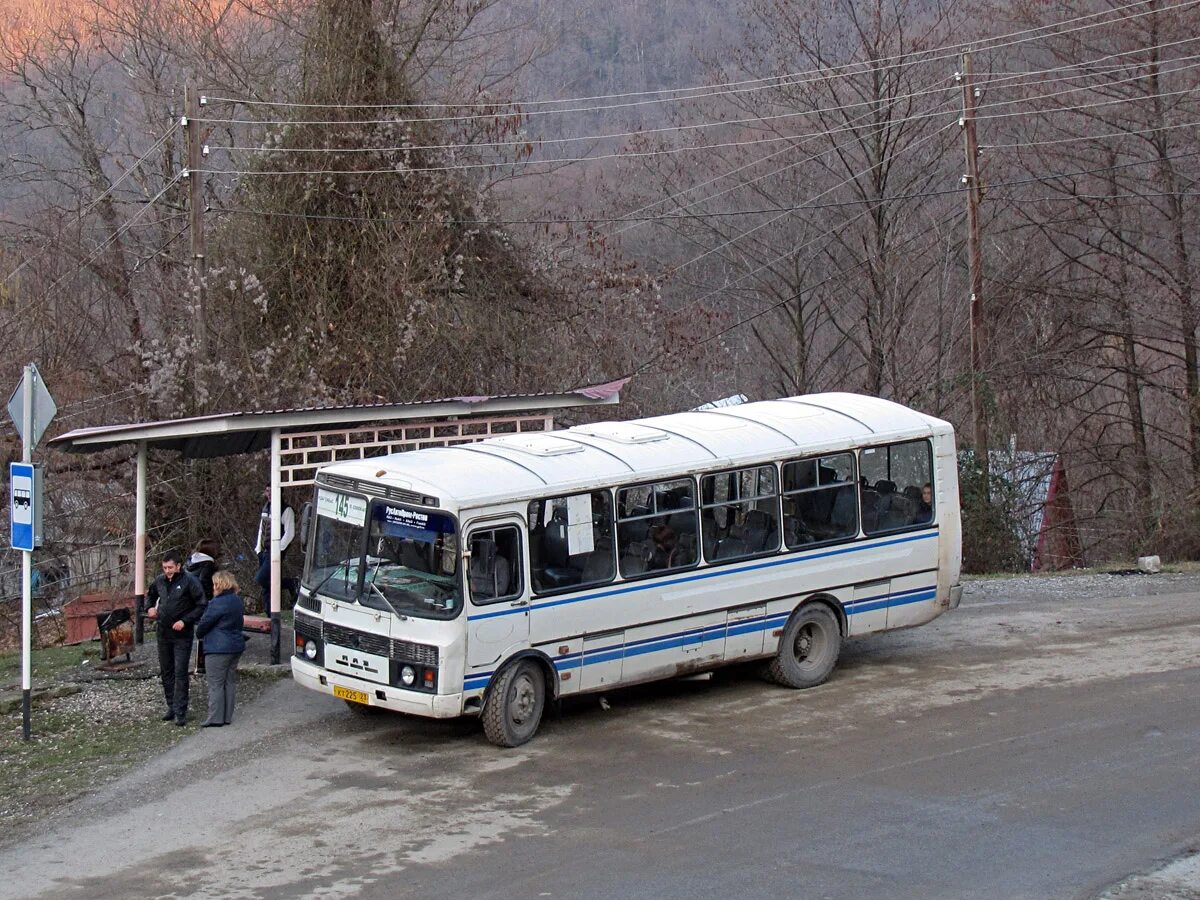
(1042, 741)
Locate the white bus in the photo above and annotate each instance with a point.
(489, 578)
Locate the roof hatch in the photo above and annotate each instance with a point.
(537, 444)
(622, 432)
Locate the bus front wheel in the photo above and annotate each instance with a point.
(808, 648)
(513, 709)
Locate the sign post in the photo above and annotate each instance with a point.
(31, 408)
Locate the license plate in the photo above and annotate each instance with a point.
(353, 696)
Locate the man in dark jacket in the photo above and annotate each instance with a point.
(178, 603)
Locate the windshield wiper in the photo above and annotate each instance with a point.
(345, 564)
(384, 597)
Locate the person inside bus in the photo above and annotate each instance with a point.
(662, 557)
(924, 511)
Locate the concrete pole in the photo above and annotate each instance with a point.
(139, 544)
(975, 267)
(192, 103)
(276, 537)
(27, 569)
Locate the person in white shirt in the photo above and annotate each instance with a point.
(262, 546)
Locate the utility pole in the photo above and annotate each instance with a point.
(192, 102)
(975, 263)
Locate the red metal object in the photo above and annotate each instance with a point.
(82, 611)
(257, 624)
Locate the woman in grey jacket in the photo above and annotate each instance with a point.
(220, 628)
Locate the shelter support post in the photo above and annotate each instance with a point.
(276, 536)
(139, 546)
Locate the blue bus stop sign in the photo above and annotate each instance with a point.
(21, 511)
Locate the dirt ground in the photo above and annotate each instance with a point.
(1041, 741)
(102, 725)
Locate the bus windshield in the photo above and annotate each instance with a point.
(411, 565)
(336, 557)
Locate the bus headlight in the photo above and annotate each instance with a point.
(408, 675)
(310, 649)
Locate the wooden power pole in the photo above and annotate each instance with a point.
(199, 269)
(975, 265)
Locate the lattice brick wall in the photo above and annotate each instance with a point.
(302, 453)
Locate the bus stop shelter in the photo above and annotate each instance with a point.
(302, 440)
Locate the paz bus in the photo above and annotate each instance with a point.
(487, 579)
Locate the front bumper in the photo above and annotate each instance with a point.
(416, 703)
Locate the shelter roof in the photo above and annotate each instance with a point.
(227, 434)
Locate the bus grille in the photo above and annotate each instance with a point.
(421, 654)
(378, 644)
(357, 640)
(308, 628)
(309, 602)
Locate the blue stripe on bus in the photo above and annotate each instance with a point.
(706, 574)
(710, 632)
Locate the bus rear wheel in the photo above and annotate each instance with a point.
(514, 706)
(808, 648)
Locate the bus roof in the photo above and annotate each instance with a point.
(553, 463)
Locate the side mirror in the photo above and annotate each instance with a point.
(305, 522)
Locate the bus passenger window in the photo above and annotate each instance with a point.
(897, 486)
(819, 502)
(495, 570)
(656, 527)
(570, 541)
(739, 513)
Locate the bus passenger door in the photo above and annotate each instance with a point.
(498, 612)
(868, 609)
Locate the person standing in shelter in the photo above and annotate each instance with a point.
(220, 630)
(262, 546)
(201, 565)
(177, 602)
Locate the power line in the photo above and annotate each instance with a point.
(848, 180)
(829, 232)
(786, 80)
(396, 220)
(774, 306)
(95, 254)
(1076, 139)
(405, 170)
(538, 143)
(94, 203)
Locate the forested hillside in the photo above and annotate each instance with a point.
(440, 197)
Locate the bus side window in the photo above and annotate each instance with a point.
(658, 533)
(897, 489)
(495, 570)
(739, 513)
(819, 503)
(571, 541)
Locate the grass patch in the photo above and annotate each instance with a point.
(50, 664)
